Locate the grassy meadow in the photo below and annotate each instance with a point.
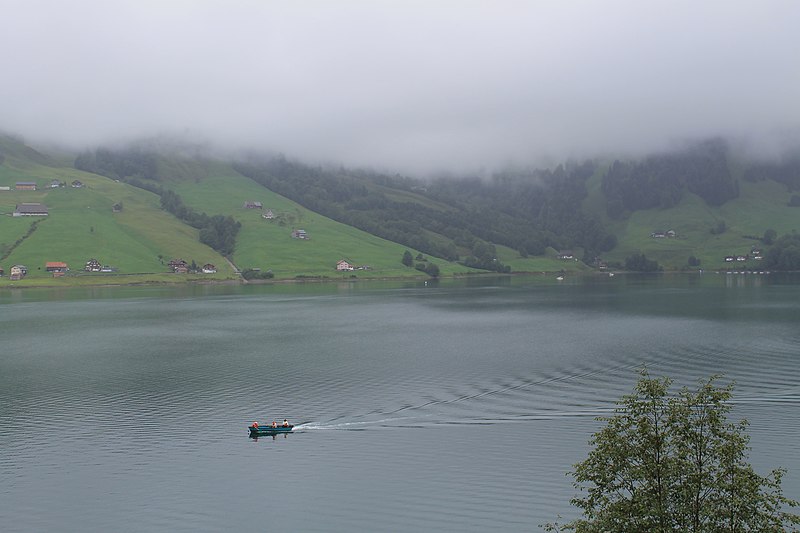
(268, 244)
(759, 207)
(81, 225)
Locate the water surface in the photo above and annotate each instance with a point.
(456, 406)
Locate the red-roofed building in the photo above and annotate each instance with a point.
(56, 266)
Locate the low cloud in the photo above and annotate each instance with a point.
(410, 86)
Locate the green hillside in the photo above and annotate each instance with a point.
(268, 244)
(548, 211)
(760, 206)
(81, 225)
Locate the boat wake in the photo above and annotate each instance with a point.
(349, 426)
(521, 401)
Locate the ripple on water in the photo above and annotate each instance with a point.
(415, 411)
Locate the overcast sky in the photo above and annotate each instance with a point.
(405, 85)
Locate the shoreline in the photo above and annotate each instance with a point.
(46, 284)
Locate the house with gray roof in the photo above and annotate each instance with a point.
(31, 210)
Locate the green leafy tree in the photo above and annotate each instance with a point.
(769, 236)
(432, 270)
(675, 463)
(408, 260)
(784, 254)
(720, 228)
(640, 263)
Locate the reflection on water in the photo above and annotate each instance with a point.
(447, 407)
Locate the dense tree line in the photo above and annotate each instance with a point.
(662, 180)
(784, 254)
(640, 263)
(786, 172)
(118, 164)
(217, 231)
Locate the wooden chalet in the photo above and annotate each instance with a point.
(179, 266)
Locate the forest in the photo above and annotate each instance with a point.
(662, 180)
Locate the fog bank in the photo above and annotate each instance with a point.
(413, 86)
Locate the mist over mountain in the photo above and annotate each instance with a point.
(412, 87)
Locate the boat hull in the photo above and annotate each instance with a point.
(268, 430)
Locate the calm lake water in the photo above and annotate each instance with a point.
(456, 406)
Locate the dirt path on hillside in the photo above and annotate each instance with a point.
(235, 269)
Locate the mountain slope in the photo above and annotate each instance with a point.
(81, 225)
(515, 219)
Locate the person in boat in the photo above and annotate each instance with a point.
(274, 424)
(285, 423)
(255, 425)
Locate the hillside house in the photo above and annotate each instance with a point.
(92, 265)
(55, 184)
(729, 258)
(566, 255)
(250, 204)
(25, 186)
(76, 184)
(669, 234)
(299, 234)
(208, 268)
(269, 215)
(31, 210)
(343, 265)
(2, 272)
(17, 272)
(55, 266)
(179, 266)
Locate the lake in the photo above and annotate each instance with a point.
(449, 406)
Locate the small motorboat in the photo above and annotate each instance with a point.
(257, 431)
